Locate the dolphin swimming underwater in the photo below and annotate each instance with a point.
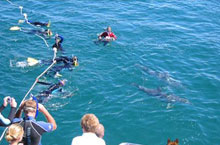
(160, 75)
(152, 92)
(158, 92)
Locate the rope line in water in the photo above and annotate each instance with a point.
(43, 40)
(26, 19)
(36, 80)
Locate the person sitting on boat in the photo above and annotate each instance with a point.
(89, 123)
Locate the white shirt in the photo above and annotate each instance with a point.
(88, 139)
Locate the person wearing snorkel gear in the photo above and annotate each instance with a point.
(67, 60)
(53, 87)
(40, 23)
(108, 35)
(68, 63)
(33, 130)
(58, 41)
(7, 121)
(46, 33)
(72, 61)
(35, 23)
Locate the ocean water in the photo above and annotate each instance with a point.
(178, 38)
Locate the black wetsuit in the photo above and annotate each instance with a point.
(33, 130)
(58, 45)
(61, 59)
(45, 94)
(41, 32)
(10, 116)
(64, 59)
(38, 23)
(68, 63)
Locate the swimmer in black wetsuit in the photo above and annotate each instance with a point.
(45, 33)
(68, 63)
(53, 87)
(36, 23)
(62, 59)
(58, 41)
(39, 23)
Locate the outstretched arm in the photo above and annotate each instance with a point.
(13, 104)
(44, 83)
(48, 116)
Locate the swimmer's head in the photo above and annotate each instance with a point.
(58, 39)
(49, 32)
(109, 29)
(62, 82)
(75, 60)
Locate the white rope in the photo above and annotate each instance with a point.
(20, 7)
(26, 19)
(43, 40)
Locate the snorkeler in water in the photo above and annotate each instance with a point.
(40, 23)
(35, 23)
(53, 88)
(62, 59)
(58, 41)
(46, 33)
(67, 64)
(108, 35)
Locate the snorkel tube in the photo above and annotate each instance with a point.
(35, 99)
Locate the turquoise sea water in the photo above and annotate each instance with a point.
(180, 38)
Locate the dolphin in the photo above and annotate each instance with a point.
(158, 92)
(152, 92)
(160, 75)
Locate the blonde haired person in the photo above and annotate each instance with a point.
(89, 123)
(14, 134)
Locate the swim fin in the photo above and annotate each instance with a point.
(15, 28)
(32, 61)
